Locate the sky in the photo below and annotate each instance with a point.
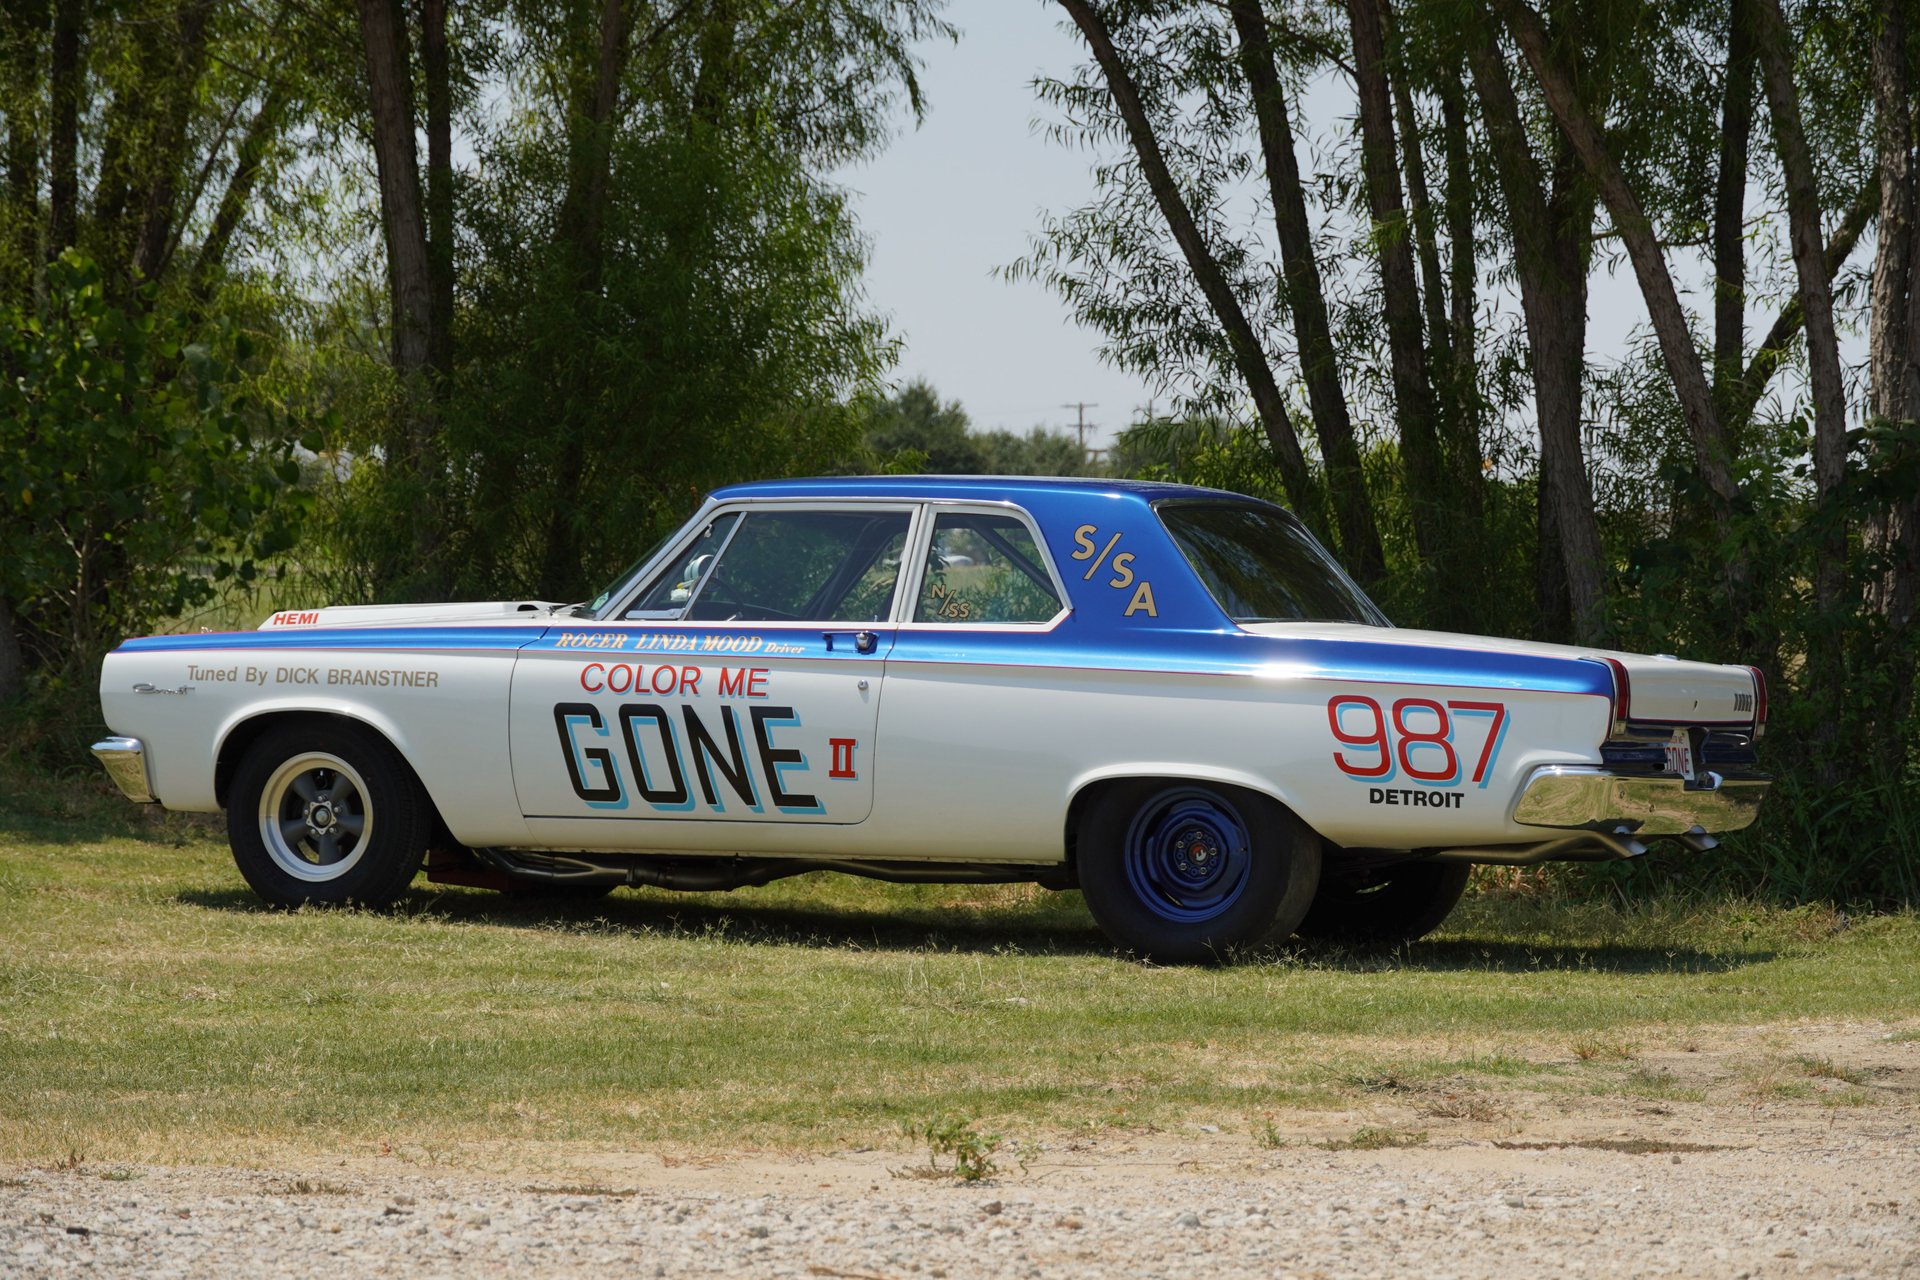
(962, 193)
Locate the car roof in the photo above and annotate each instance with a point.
(976, 488)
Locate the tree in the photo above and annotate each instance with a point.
(657, 293)
(1305, 294)
(1550, 218)
(141, 143)
(913, 423)
(1243, 349)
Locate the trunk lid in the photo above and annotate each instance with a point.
(1659, 690)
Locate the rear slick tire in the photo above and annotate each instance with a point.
(327, 814)
(1192, 873)
(1385, 907)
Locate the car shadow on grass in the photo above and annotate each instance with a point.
(1053, 926)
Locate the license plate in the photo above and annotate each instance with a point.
(1680, 755)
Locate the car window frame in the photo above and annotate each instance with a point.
(914, 509)
(1339, 570)
(921, 546)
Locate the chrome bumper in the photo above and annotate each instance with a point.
(1590, 798)
(126, 763)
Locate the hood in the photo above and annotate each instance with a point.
(408, 615)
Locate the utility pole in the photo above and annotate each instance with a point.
(1080, 407)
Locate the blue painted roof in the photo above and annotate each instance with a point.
(984, 488)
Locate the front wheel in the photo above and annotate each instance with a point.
(1186, 873)
(1392, 905)
(327, 814)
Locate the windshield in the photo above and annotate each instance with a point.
(592, 608)
(1261, 566)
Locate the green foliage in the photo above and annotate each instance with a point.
(913, 432)
(137, 476)
(957, 1139)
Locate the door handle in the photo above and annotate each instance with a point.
(863, 641)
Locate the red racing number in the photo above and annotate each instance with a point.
(1408, 740)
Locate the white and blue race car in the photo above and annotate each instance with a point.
(1170, 698)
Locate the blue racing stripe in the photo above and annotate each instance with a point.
(424, 639)
(1069, 646)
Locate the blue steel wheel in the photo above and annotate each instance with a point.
(1188, 855)
(1189, 873)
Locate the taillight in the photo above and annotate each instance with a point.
(1622, 696)
(1759, 702)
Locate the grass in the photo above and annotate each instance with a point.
(150, 1009)
(1372, 1138)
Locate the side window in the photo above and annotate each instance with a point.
(985, 568)
(811, 566)
(670, 593)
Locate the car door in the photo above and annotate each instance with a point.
(740, 685)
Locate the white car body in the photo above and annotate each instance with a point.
(957, 740)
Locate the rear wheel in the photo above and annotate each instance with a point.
(327, 813)
(1390, 905)
(1185, 873)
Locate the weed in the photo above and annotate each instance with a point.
(1646, 1082)
(1267, 1136)
(584, 1189)
(1603, 1048)
(1771, 1089)
(1463, 1106)
(1847, 1098)
(304, 1187)
(1828, 1069)
(121, 1175)
(1375, 1139)
(955, 1138)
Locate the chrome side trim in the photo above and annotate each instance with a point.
(126, 763)
(1590, 798)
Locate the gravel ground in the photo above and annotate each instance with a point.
(1771, 1183)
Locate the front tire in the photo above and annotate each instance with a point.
(327, 813)
(1385, 907)
(1187, 873)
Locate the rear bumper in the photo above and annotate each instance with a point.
(126, 763)
(1589, 798)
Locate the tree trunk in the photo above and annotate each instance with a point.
(1729, 222)
(1460, 442)
(413, 445)
(1306, 299)
(433, 59)
(1412, 389)
(63, 182)
(1643, 249)
(1816, 291)
(1893, 266)
(390, 90)
(1552, 598)
(1463, 263)
(248, 160)
(582, 220)
(1772, 353)
(1249, 359)
(25, 27)
(169, 146)
(13, 667)
(1550, 230)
